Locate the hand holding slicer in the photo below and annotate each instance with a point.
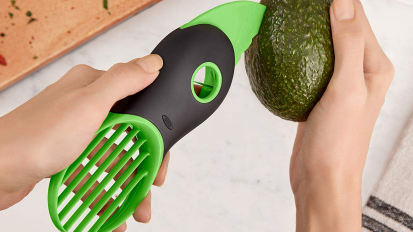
(157, 118)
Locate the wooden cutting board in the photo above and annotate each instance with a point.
(33, 33)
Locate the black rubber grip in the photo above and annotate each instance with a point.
(169, 102)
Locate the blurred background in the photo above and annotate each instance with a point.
(231, 174)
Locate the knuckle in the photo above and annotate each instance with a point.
(387, 68)
(82, 68)
(381, 76)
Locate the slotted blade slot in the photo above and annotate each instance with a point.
(84, 155)
(89, 226)
(78, 196)
(103, 184)
(91, 163)
(111, 191)
(109, 211)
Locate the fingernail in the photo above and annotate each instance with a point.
(343, 9)
(151, 63)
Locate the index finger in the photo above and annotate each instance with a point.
(160, 178)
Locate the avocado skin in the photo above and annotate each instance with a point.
(291, 60)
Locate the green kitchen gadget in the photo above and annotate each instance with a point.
(141, 128)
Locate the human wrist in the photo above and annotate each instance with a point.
(329, 204)
(12, 160)
(8, 168)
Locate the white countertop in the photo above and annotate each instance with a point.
(231, 174)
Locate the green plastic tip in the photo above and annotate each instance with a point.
(240, 21)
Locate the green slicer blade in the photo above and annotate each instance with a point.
(240, 21)
(149, 160)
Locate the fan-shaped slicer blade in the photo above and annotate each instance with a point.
(74, 212)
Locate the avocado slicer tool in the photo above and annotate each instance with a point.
(153, 120)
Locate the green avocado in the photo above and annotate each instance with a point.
(291, 60)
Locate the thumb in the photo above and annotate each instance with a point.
(125, 79)
(348, 41)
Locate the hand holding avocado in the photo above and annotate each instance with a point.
(331, 147)
(296, 71)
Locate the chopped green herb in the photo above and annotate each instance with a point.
(31, 20)
(11, 15)
(2, 34)
(17, 8)
(29, 13)
(105, 4)
(13, 2)
(34, 57)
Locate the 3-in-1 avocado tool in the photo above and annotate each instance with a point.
(154, 119)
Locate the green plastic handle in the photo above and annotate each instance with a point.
(240, 21)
